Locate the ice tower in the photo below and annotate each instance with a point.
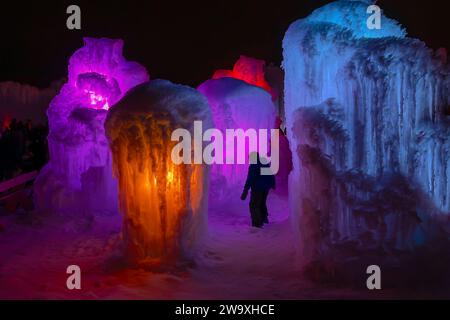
(78, 178)
(164, 204)
(368, 130)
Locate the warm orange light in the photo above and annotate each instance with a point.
(163, 204)
(169, 176)
(153, 193)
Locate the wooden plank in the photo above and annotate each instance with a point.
(17, 181)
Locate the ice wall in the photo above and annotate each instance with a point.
(366, 121)
(164, 205)
(282, 177)
(236, 105)
(24, 102)
(78, 178)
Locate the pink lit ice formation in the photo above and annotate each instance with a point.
(78, 178)
(236, 104)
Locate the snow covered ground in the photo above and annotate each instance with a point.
(238, 262)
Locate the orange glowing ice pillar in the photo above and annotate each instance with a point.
(164, 205)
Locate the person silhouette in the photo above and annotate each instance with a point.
(260, 186)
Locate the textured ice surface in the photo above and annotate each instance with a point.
(78, 178)
(366, 120)
(164, 204)
(352, 16)
(236, 105)
(25, 102)
(247, 69)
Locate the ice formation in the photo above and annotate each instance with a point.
(25, 102)
(274, 76)
(282, 176)
(236, 105)
(367, 125)
(164, 204)
(78, 178)
(247, 69)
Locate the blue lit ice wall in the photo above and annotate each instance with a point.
(367, 129)
(352, 15)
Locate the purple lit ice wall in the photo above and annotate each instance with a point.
(78, 177)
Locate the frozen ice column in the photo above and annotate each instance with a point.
(78, 178)
(365, 111)
(164, 205)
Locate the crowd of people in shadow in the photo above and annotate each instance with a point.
(23, 148)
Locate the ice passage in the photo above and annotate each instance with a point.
(367, 122)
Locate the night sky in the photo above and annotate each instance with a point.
(183, 41)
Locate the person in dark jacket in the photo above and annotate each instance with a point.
(260, 186)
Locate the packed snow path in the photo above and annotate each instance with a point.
(237, 262)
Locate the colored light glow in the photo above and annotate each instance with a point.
(170, 176)
(249, 70)
(163, 203)
(6, 122)
(97, 100)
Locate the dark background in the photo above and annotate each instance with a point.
(183, 41)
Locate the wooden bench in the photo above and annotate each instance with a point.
(13, 192)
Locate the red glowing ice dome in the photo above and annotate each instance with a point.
(249, 70)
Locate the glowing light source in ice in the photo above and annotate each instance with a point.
(164, 204)
(170, 176)
(78, 178)
(97, 100)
